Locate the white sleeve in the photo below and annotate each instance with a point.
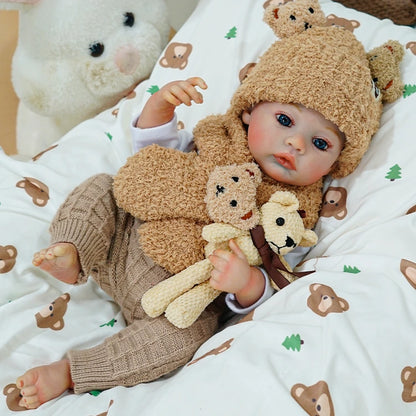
(293, 258)
(166, 135)
(233, 304)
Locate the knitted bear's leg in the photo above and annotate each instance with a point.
(87, 219)
(144, 351)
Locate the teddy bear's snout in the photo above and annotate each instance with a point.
(220, 190)
(290, 242)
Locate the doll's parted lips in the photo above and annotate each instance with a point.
(286, 160)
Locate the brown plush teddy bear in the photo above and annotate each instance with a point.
(231, 202)
(323, 68)
(384, 64)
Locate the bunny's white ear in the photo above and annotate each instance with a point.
(15, 4)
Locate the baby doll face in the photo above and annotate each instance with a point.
(291, 143)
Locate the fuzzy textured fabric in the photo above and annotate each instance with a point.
(401, 12)
(384, 61)
(185, 295)
(108, 247)
(324, 68)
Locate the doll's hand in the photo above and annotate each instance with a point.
(182, 92)
(160, 107)
(233, 274)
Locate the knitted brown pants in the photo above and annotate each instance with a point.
(107, 242)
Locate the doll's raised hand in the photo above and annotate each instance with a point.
(232, 273)
(160, 107)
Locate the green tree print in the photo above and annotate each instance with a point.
(394, 173)
(293, 342)
(409, 90)
(232, 33)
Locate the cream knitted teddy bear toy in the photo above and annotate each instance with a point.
(231, 203)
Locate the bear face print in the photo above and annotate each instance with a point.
(323, 300)
(13, 397)
(37, 190)
(408, 377)
(334, 203)
(51, 316)
(8, 256)
(333, 20)
(176, 55)
(408, 268)
(315, 399)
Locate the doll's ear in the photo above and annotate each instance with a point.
(246, 116)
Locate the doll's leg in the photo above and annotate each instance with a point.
(147, 348)
(81, 232)
(144, 351)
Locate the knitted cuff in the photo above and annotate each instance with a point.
(90, 244)
(91, 369)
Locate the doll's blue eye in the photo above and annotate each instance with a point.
(284, 120)
(320, 144)
(128, 19)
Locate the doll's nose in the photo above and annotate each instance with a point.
(297, 141)
(127, 59)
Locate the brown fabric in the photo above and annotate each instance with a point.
(272, 262)
(401, 12)
(323, 68)
(107, 242)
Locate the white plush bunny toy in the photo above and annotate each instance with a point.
(75, 58)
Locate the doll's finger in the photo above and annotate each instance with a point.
(198, 82)
(218, 262)
(171, 98)
(236, 249)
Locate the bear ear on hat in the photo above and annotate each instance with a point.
(293, 17)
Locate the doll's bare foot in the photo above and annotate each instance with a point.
(60, 260)
(41, 384)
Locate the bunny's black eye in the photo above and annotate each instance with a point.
(292, 17)
(312, 11)
(96, 49)
(235, 178)
(128, 19)
(233, 203)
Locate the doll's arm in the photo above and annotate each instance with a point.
(160, 107)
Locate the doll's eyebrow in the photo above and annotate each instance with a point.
(337, 132)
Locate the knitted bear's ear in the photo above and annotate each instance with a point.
(293, 17)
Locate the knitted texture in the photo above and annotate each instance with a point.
(109, 249)
(185, 295)
(401, 12)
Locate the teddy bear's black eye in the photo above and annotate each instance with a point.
(128, 19)
(280, 221)
(96, 49)
(235, 178)
(233, 203)
(292, 17)
(312, 11)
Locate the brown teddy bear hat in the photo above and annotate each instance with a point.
(323, 68)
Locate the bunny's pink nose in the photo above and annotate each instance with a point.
(127, 59)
